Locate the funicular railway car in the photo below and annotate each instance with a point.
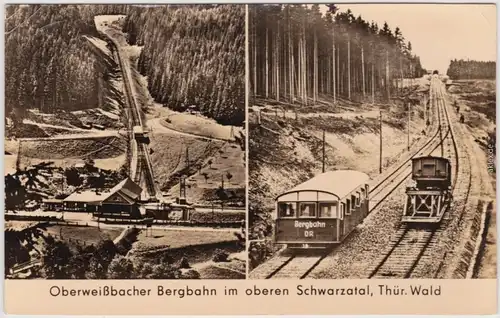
(140, 135)
(323, 210)
(428, 199)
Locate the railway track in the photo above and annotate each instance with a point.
(410, 244)
(396, 177)
(299, 266)
(143, 169)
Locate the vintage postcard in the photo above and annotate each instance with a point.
(372, 141)
(124, 142)
(209, 159)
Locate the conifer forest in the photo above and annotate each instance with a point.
(187, 63)
(47, 64)
(202, 53)
(298, 54)
(460, 69)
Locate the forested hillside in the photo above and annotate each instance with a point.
(297, 54)
(462, 69)
(47, 64)
(193, 56)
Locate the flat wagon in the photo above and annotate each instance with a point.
(323, 210)
(428, 199)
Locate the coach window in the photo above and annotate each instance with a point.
(363, 194)
(328, 209)
(287, 209)
(307, 209)
(429, 169)
(348, 207)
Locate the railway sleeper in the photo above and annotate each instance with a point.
(297, 267)
(267, 268)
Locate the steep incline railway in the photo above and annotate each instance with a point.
(293, 265)
(410, 244)
(141, 167)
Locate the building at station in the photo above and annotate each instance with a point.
(121, 199)
(168, 210)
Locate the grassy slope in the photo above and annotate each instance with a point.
(197, 125)
(107, 152)
(228, 158)
(97, 148)
(177, 239)
(222, 271)
(169, 156)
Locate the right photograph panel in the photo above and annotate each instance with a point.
(372, 138)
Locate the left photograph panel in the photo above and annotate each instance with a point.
(125, 142)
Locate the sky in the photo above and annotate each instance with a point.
(438, 32)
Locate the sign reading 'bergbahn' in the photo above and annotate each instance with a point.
(309, 224)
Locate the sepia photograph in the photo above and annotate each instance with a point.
(125, 141)
(372, 141)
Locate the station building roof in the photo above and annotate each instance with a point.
(125, 192)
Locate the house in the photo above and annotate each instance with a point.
(52, 205)
(168, 211)
(84, 201)
(86, 169)
(120, 199)
(80, 167)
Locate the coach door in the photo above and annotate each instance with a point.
(341, 229)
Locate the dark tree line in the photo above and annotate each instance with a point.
(47, 64)
(104, 260)
(193, 56)
(297, 54)
(470, 69)
(29, 184)
(26, 184)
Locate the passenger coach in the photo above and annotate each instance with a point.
(323, 210)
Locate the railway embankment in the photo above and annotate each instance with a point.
(477, 102)
(459, 248)
(467, 237)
